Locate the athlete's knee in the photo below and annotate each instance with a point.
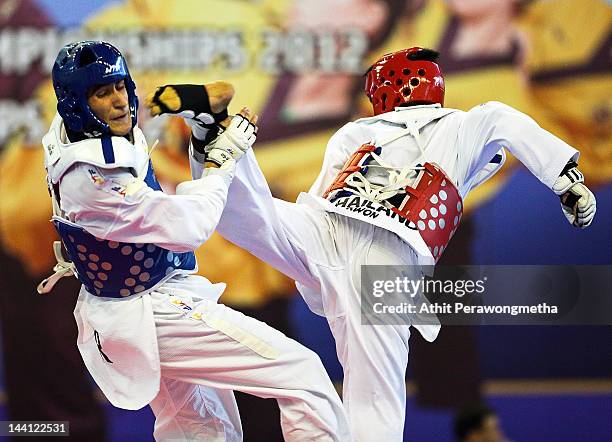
(314, 373)
(310, 359)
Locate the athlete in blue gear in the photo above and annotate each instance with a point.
(150, 329)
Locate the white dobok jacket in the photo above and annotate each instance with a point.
(111, 201)
(469, 147)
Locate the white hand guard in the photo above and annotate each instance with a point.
(577, 201)
(226, 171)
(239, 137)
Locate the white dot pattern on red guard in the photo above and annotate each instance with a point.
(433, 205)
(436, 207)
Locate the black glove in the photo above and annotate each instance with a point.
(191, 102)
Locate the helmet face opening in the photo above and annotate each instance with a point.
(406, 77)
(80, 67)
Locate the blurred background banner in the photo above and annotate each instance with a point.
(299, 64)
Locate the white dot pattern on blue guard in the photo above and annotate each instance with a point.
(115, 269)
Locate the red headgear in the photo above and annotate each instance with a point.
(406, 76)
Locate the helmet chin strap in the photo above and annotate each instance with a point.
(73, 136)
(89, 133)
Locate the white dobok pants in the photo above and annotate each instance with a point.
(209, 350)
(324, 253)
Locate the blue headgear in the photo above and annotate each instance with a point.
(81, 66)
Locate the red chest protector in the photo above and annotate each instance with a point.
(432, 203)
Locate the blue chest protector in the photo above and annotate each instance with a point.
(115, 269)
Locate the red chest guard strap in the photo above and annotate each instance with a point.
(354, 164)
